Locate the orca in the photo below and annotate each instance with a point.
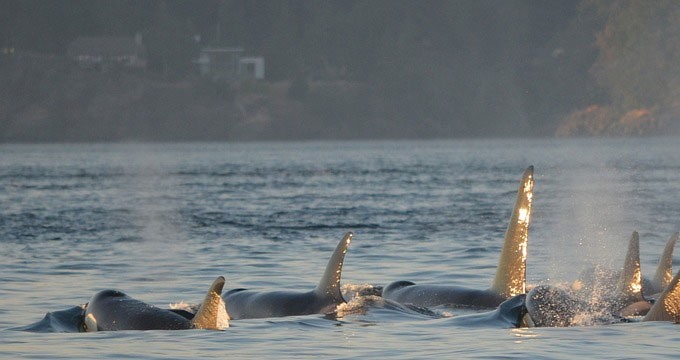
(510, 279)
(631, 293)
(551, 306)
(509, 314)
(112, 310)
(667, 306)
(600, 282)
(366, 304)
(629, 298)
(324, 299)
(664, 272)
(67, 320)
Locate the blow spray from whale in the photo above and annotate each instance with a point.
(615, 301)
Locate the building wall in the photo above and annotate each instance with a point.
(252, 67)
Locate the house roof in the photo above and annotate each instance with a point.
(105, 46)
(222, 50)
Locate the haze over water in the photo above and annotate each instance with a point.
(161, 221)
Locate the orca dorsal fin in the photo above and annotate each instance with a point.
(510, 277)
(664, 272)
(212, 314)
(667, 306)
(329, 285)
(629, 286)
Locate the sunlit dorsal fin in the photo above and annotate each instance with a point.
(629, 286)
(329, 285)
(664, 272)
(212, 314)
(667, 306)
(510, 277)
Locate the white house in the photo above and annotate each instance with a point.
(228, 63)
(106, 51)
(252, 67)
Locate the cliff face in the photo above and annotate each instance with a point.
(600, 120)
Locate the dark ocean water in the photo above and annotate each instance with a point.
(161, 221)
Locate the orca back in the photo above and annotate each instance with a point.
(324, 299)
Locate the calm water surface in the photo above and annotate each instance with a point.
(161, 221)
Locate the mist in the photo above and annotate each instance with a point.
(237, 70)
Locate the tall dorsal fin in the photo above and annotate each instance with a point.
(667, 306)
(212, 314)
(664, 272)
(629, 286)
(329, 286)
(510, 277)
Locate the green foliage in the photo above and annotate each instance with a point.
(638, 50)
(251, 86)
(214, 90)
(299, 88)
(434, 67)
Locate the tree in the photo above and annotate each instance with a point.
(638, 51)
(168, 42)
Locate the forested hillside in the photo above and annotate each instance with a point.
(345, 69)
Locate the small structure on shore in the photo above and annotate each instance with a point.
(228, 63)
(105, 52)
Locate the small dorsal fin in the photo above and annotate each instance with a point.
(664, 272)
(629, 286)
(667, 306)
(510, 277)
(212, 314)
(329, 286)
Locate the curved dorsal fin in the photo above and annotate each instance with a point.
(664, 272)
(510, 277)
(629, 286)
(329, 285)
(212, 314)
(667, 306)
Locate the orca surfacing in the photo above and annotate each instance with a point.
(510, 279)
(112, 310)
(324, 299)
